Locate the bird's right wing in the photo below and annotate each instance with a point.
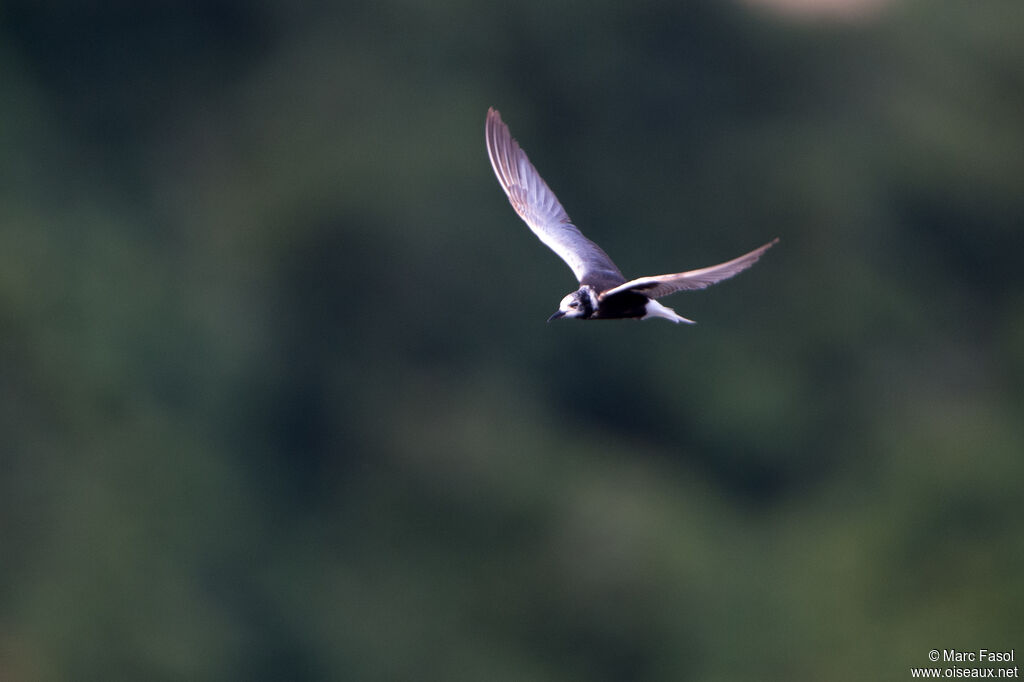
(663, 285)
(538, 206)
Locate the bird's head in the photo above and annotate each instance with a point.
(580, 303)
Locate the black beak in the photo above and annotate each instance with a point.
(558, 314)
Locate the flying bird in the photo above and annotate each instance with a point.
(604, 293)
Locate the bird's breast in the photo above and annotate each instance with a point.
(626, 304)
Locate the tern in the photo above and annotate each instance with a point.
(604, 293)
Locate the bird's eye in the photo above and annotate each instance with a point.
(574, 304)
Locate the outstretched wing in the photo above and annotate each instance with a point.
(538, 206)
(663, 285)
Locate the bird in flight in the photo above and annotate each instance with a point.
(604, 293)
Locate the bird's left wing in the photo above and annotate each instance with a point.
(663, 285)
(538, 206)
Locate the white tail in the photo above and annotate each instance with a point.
(655, 309)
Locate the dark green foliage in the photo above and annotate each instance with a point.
(278, 400)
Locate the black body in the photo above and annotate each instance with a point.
(618, 306)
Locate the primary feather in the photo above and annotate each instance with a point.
(538, 206)
(663, 285)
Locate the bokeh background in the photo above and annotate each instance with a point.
(277, 398)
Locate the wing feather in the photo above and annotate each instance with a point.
(538, 206)
(663, 285)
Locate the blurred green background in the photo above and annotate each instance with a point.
(278, 401)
